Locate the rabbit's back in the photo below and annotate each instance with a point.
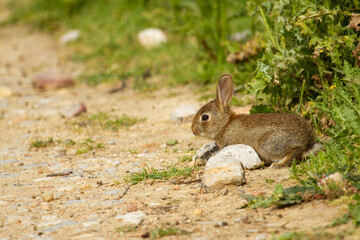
(272, 135)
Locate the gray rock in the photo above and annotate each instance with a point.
(131, 218)
(7, 174)
(8, 161)
(35, 237)
(182, 112)
(111, 170)
(204, 153)
(112, 142)
(71, 202)
(73, 110)
(34, 165)
(242, 153)
(58, 226)
(112, 192)
(108, 202)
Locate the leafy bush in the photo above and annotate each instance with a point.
(311, 65)
(308, 45)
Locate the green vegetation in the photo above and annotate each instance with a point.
(198, 33)
(310, 236)
(280, 198)
(308, 46)
(152, 173)
(126, 229)
(185, 158)
(169, 231)
(88, 145)
(311, 65)
(42, 143)
(172, 142)
(109, 122)
(82, 146)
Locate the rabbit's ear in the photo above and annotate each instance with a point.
(224, 92)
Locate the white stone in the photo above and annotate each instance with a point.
(219, 173)
(132, 218)
(204, 153)
(151, 37)
(242, 153)
(261, 237)
(70, 36)
(48, 220)
(334, 179)
(182, 112)
(227, 166)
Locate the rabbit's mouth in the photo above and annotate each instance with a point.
(195, 130)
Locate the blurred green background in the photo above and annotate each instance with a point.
(198, 37)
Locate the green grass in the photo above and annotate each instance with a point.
(198, 33)
(126, 229)
(281, 197)
(88, 145)
(82, 146)
(172, 142)
(110, 122)
(169, 231)
(310, 236)
(42, 143)
(185, 158)
(156, 174)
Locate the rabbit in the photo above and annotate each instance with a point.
(278, 138)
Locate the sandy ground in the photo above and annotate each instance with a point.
(86, 202)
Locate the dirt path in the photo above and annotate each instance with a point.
(86, 201)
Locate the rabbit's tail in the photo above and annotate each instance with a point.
(313, 148)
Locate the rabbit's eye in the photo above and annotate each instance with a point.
(204, 117)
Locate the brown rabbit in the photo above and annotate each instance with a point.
(278, 138)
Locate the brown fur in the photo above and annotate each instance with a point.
(278, 138)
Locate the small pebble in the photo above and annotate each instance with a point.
(261, 237)
(45, 206)
(151, 37)
(221, 224)
(197, 211)
(224, 191)
(48, 196)
(145, 234)
(52, 80)
(70, 36)
(84, 186)
(73, 110)
(246, 220)
(131, 208)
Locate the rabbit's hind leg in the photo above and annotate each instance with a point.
(294, 153)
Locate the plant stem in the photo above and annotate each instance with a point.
(268, 28)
